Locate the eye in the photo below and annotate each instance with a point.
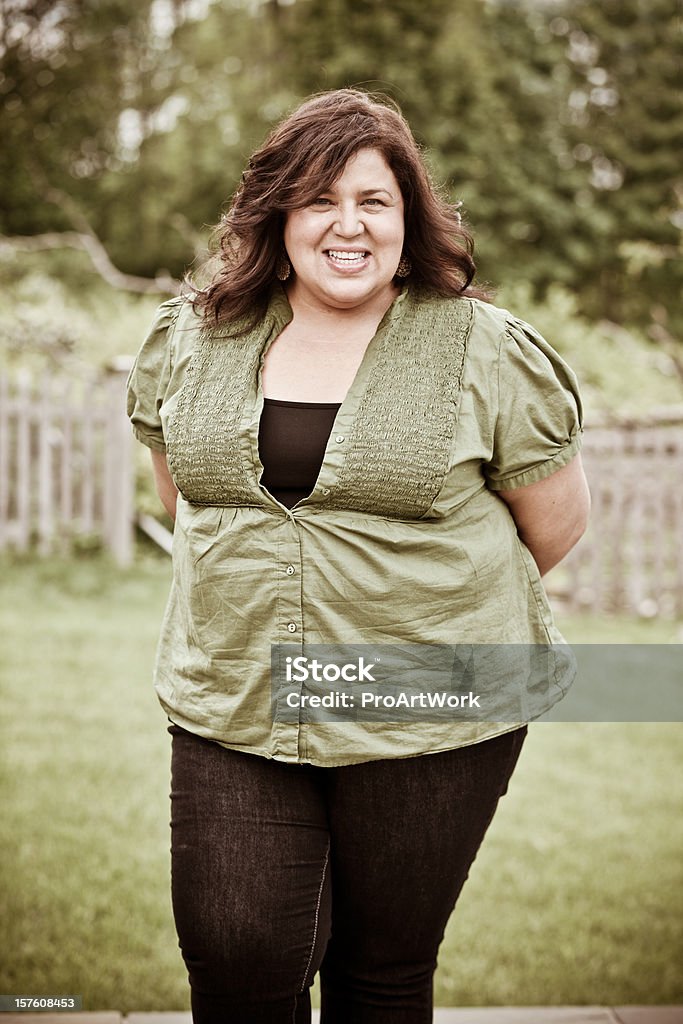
(321, 201)
(373, 202)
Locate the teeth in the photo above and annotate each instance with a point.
(347, 256)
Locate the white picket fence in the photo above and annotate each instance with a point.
(66, 466)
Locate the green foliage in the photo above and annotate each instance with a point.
(56, 315)
(558, 124)
(58, 318)
(620, 371)
(68, 71)
(625, 124)
(478, 88)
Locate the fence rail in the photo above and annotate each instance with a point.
(66, 471)
(631, 558)
(66, 466)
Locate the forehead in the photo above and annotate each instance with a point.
(366, 169)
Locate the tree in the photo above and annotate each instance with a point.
(224, 89)
(625, 124)
(86, 83)
(66, 69)
(477, 84)
(555, 121)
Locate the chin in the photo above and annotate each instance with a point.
(348, 301)
(354, 293)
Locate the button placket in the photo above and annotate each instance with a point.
(290, 628)
(290, 597)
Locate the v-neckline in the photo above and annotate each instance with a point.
(281, 313)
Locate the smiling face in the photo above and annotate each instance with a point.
(345, 246)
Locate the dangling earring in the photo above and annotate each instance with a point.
(283, 268)
(404, 267)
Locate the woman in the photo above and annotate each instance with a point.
(357, 450)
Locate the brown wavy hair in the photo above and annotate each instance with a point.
(301, 158)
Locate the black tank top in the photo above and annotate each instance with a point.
(292, 441)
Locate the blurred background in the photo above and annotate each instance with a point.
(125, 127)
(558, 123)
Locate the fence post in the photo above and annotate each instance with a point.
(23, 406)
(46, 493)
(4, 461)
(118, 481)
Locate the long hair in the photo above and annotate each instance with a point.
(301, 158)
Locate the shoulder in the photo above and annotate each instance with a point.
(167, 313)
(482, 326)
(513, 338)
(178, 324)
(165, 319)
(429, 308)
(484, 315)
(488, 317)
(497, 323)
(171, 334)
(181, 310)
(499, 344)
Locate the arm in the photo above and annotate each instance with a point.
(166, 489)
(551, 515)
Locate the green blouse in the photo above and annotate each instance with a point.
(402, 541)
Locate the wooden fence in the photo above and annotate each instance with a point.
(66, 467)
(631, 557)
(66, 470)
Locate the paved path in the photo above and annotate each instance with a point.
(474, 1015)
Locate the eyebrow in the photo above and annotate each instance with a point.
(374, 191)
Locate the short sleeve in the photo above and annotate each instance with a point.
(150, 376)
(539, 418)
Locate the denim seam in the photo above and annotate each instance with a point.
(317, 916)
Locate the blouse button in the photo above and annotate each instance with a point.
(324, 490)
(339, 438)
(290, 570)
(292, 627)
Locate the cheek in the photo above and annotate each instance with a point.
(300, 230)
(396, 232)
(292, 233)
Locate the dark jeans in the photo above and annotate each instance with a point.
(281, 870)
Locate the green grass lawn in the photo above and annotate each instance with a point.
(576, 896)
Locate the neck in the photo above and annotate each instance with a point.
(328, 318)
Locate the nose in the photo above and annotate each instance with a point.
(348, 223)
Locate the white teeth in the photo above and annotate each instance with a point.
(348, 257)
